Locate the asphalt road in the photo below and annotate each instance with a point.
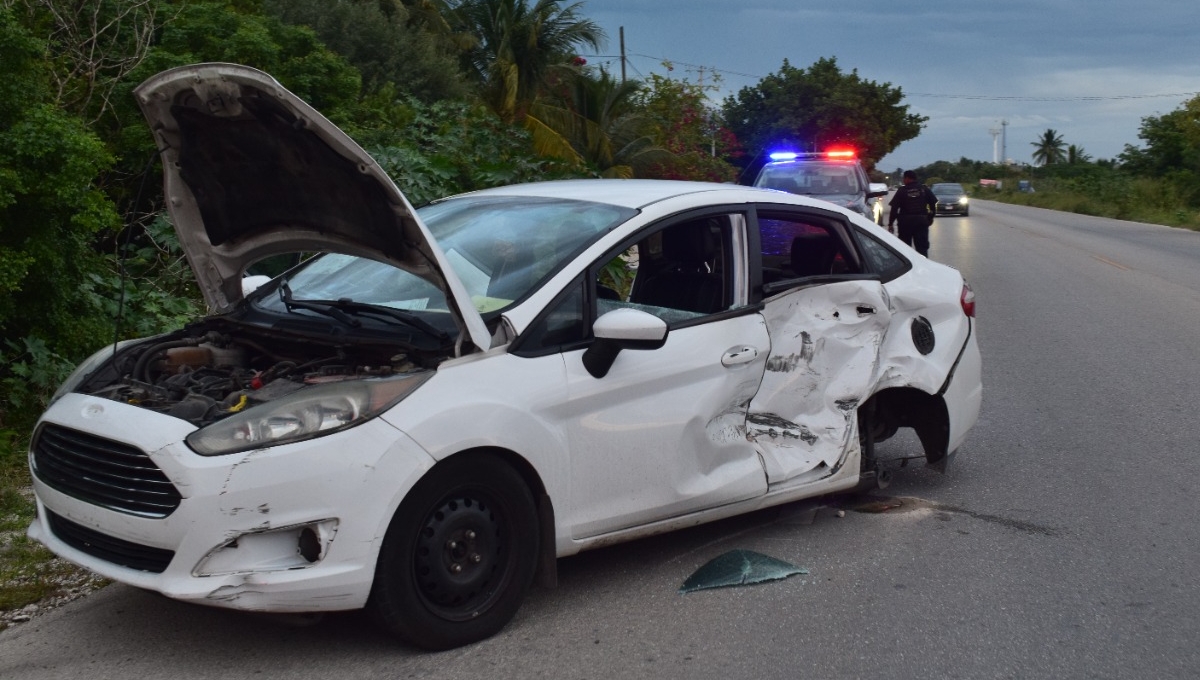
(1062, 542)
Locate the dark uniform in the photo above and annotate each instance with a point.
(913, 207)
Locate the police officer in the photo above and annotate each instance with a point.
(913, 206)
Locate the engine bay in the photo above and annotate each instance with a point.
(214, 369)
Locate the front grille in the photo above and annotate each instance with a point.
(102, 472)
(115, 550)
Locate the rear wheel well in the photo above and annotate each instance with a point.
(926, 414)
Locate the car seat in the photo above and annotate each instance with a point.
(686, 280)
(813, 254)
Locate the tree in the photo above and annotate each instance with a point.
(378, 38)
(518, 45)
(51, 207)
(594, 121)
(93, 45)
(1076, 154)
(679, 119)
(1049, 149)
(1172, 143)
(818, 107)
(449, 147)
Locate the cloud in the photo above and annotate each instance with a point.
(1090, 70)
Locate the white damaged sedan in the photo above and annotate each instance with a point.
(421, 418)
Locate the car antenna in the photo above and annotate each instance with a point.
(123, 249)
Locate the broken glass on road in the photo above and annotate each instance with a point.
(739, 568)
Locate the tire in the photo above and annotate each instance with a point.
(966, 213)
(459, 555)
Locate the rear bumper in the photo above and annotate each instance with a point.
(964, 393)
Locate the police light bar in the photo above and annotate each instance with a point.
(838, 154)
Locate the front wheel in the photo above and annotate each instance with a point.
(459, 555)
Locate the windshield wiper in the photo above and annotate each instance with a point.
(401, 315)
(321, 307)
(344, 309)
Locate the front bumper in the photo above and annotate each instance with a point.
(951, 208)
(287, 529)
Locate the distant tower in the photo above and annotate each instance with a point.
(995, 144)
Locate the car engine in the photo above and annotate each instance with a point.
(205, 372)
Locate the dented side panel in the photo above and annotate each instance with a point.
(824, 361)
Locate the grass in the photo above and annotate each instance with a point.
(1138, 200)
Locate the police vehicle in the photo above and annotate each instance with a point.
(836, 176)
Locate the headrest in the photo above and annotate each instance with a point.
(690, 243)
(813, 254)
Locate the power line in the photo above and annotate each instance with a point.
(1049, 99)
(935, 95)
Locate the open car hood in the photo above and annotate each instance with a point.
(250, 171)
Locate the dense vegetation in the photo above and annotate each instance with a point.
(449, 96)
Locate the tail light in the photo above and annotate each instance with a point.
(967, 299)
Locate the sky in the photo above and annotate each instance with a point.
(1089, 69)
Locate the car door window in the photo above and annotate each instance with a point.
(681, 272)
(881, 259)
(796, 246)
(563, 324)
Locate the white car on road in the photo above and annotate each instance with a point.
(423, 417)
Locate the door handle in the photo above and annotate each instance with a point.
(742, 354)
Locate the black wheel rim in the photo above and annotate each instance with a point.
(463, 556)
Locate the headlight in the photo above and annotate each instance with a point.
(304, 414)
(963, 200)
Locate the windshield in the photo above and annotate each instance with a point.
(947, 190)
(811, 178)
(502, 248)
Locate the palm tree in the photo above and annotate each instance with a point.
(1048, 149)
(518, 45)
(1076, 154)
(595, 122)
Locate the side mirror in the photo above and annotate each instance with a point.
(620, 329)
(876, 189)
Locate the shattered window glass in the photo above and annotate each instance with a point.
(739, 568)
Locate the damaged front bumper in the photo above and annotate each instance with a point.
(285, 529)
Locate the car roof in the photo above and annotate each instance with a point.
(801, 163)
(627, 193)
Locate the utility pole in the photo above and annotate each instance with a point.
(1004, 141)
(622, 32)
